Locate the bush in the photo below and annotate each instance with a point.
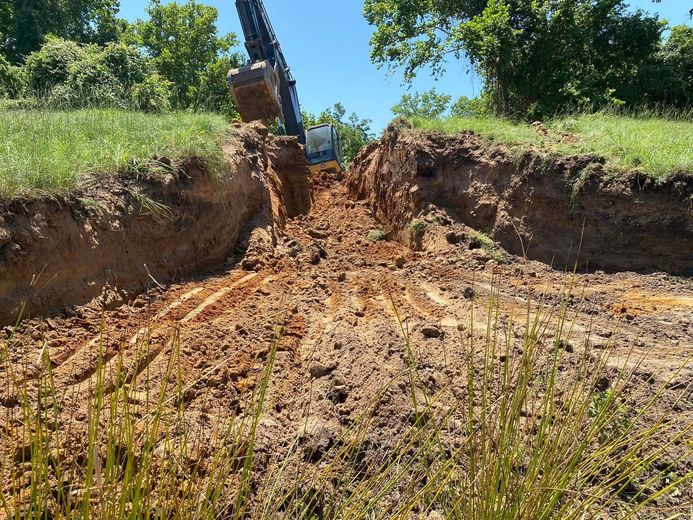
(70, 75)
(466, 107)
(90, 84)
(153, 94)
(377, 235)
(22, 103)
(126, 64)
(213, 93)
(11, 79)
(417, 228)
(50, 66)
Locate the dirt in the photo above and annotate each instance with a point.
(116, 236)
(340, 298)
(559, 210)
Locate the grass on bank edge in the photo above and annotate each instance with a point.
(654, 145)
(48, 151)
(525, 438)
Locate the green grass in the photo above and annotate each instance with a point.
(43, 151)
(376, 235)
(654, 145)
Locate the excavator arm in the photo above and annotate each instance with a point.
(264, 89)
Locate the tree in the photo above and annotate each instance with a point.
(430, 105)
(354, 132)
(24, 24)
(536, 57)
(183, 42)
(465, 107)
(677, 56)
(214, 93)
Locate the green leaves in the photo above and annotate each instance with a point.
(429, 105)
(183, 41)
(24, 24)
(536, 57)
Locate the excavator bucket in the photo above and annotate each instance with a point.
(255, 89)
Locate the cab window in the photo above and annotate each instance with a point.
(319, 144)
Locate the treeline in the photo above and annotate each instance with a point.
(77, 53)
(539, 58)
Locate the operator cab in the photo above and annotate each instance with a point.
(324, 149)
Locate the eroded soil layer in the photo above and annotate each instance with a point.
(554, 209)
(340, 299)
(116, 236)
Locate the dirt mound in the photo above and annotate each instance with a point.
(554, 209)
(116, 236)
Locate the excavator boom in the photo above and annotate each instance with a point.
(264, 89)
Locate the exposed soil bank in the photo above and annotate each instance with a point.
(557, 205)
(116, 235)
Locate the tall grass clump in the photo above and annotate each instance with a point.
(657, 144)
(135, 456)
(535, 426)
(48, 151)
(531, 435)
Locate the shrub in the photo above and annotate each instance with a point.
(213, 93)
(90, 84)
(376, 235)
(153, 94)
(50, 66)
(22, 103)
(417, 228)
(11, 79)
(125, 63)
(466, 107)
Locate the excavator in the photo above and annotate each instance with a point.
(265, 90)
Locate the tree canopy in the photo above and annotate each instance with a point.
(185, 46)
(536, 57)
(24, 24)
(430, 104)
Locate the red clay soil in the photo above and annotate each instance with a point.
(338, 296)
(555, 209)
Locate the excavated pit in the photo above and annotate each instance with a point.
(116, 236)
(557, 210)
(342, 322)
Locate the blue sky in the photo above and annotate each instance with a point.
(326, 45)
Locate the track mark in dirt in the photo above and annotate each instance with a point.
(317, 330)
(639, 303)
(82, 360)
(180, 301)
(147, 339)
(164, 344)
(214, 298)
